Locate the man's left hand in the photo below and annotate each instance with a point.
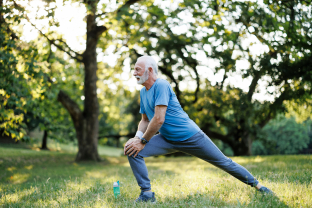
(134, 147)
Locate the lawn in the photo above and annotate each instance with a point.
(33, 178)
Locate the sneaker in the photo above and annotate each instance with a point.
(265, 190)
(146, 196)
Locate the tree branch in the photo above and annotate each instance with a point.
(224, 78)
(127, 5)
(100, 30)
(253, 85)
(256, 33)
(117, 136)
(67, 49)
(190, 61)
(98, 15)
(71, 106)
(212, 134)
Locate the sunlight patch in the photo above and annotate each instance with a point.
(113, 160)
(94, 174)
(18, 178)
(259, 159)
(11, 169)
(13, 198)
(29, 167)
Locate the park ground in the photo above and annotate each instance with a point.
(30, 177)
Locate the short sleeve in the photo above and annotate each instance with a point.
(162, 94)
(142, 110)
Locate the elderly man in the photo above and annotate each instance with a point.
(161, 111)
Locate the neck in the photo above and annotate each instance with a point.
(149, 83)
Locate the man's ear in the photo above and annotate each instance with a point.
(150, 69)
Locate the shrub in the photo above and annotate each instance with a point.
(282, 136)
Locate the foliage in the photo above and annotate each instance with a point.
(39, 178)
(115, 102)
(300, 109)
(193, 38)
(18, 76)
(282, 136)
(30, 80)
(59, 72)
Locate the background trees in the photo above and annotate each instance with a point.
(233, 65)
(266, 45)
(86, 121)
(28, 92)
(283, 136)
(19, 71)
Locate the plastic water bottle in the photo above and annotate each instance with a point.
(116, 189)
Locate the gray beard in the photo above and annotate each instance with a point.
(143, 78)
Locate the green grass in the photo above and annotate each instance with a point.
(33, 178)
(73, 148)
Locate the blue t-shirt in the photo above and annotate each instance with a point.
(177, 125)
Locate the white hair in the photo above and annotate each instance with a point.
(149, 62)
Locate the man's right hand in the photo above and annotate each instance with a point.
(129, 142)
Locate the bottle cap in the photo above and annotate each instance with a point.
(115, 184)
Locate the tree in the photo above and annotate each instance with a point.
(283, 136)
(300, 109)
(18, 71)
(85, 121)
(28, 99)
(224, 33)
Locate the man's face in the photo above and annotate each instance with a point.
(140, 73)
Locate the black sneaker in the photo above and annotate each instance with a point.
(265, 190)
(146, 196)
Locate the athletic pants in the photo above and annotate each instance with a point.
(198, 145)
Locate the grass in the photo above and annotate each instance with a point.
(73, 148)
(33, 178)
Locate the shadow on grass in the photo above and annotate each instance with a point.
(58, 182)
(55, 180)
(278, 168)
(91, 187)
(217, 199)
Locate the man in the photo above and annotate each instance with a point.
(161, 111)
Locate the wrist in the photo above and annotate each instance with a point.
(139, 134)
(144, 141)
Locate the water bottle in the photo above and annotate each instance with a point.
(116, 189)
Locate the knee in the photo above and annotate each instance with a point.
(134, 158)
(130, 157)
(230, 163)
(226, 163)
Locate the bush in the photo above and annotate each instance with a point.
(282, 136)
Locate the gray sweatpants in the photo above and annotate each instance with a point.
(198, 145)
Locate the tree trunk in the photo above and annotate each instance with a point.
(242, 147)
(87, 145)
(44, 140)
(86, 122)
(90, 126)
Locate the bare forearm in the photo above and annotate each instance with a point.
(152, 128)
(134, 145)
(143, 125)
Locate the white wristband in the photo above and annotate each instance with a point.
(139, 134)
